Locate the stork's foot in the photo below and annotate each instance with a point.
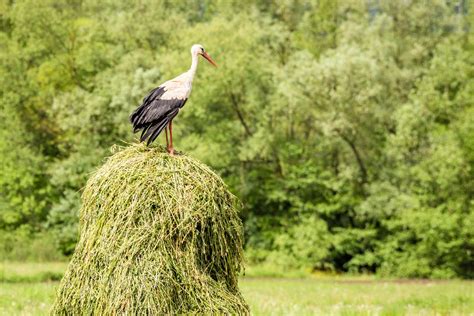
(171, 151)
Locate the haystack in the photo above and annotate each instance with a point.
(158, 235)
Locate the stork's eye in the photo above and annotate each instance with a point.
(202, 49)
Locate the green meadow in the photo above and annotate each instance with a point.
(29, 289)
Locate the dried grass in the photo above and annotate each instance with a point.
(159, 235)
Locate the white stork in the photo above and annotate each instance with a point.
(163, 103)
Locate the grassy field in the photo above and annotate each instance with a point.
(28, 289)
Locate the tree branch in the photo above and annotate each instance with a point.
(235, 106)
(355, 151)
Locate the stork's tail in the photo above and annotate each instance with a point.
(154, 130)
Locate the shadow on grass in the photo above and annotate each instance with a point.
(35, 278)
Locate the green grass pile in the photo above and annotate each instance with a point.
(158, 235)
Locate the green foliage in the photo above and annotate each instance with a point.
(24, 245)
(62, 222)
(345, 127)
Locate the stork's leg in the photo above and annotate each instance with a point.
(167, 142)
(171, 149)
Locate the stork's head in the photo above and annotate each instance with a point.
(198, 49)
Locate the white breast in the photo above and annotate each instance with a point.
(177, 88)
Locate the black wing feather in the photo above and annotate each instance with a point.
(159, 128)
(154, 114)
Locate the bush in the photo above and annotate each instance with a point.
(25, 245)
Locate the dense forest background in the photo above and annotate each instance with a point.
(345, 127)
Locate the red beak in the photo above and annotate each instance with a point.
(209, 59)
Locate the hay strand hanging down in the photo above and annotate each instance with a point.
(159, 235)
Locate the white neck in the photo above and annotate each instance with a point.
(194, 65)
